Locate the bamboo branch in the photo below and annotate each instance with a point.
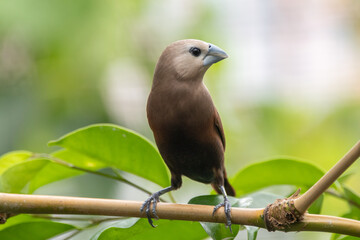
(40, 204)
(303, 202)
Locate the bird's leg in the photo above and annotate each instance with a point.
(227, 207)
(154, 199)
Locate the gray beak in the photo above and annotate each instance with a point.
(214, 55)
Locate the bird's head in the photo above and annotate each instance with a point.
(188, 59)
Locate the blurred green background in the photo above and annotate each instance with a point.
(290, 87)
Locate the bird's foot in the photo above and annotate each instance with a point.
(154, 199)
(227, 209)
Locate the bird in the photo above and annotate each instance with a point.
(186, 125)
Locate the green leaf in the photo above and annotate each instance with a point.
(252, 232)
(352, 196)
(37, 230)
(38, 172)
(354, 203)
(9, 159)
(276, 172)
(213, 200)
(120, 148)
(53, 172)
(11, 181)
(166, 229)
(217, 230)
(124, 223)
(336, 236)
(344, 177)
(21, 218)
(24, 226)
(257, 200)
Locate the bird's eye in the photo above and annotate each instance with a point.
(195, 51)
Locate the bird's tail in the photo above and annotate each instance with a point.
(228, 188)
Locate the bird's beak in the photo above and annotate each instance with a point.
(214, 55)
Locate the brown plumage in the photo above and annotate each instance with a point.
(186, 125)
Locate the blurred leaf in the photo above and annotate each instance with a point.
(354, 203)
(40, 171)
(257, 200)
(213, 200)
(344, 177)
(125, 223)
(9, 159)
(166, 229)
(94, 231)
(24, 226)
(275, 172)
(37, 230)
(252, 232)
(354, 212)
(120, 148)
(336, 236)
(315, 208)
(15, 178)
(352, 196)
(217, 230)
(54, 172)
(21, 218)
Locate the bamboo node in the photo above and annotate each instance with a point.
(282, 213)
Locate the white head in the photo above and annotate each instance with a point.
(188, 59)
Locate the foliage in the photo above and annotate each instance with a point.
(100, 146)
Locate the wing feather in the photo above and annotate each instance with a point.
(219, 128)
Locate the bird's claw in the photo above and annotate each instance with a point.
(154, 199)
(227, 209)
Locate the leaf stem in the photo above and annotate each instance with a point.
(340, 196)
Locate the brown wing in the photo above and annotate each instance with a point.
(219, 128)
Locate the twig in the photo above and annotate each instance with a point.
(40, 204)
(303, 202)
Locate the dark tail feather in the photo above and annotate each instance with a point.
(228, 188)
